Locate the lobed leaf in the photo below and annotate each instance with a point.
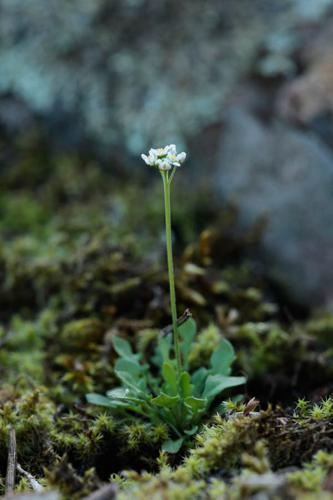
(118, 393)
(185, 385)
(170, 376)
(187, 332)
(164, 347)
(192, 431)
(196, 404)
(216, 384)
(98, 400)
(198, 380)
(130, 366)
(137, 385)
(172, 445)
(222, 359)
(163, 400)
(122, 347)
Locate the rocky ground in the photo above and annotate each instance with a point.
(82, 260)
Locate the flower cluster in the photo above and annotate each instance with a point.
(164, 158)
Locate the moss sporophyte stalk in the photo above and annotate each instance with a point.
(164, 389)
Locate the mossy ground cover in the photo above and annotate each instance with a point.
(82, 261)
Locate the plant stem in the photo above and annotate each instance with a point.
(167, 207)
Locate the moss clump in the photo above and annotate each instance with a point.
(64, 478)
(82, 335)
(293, 438)
(32, 417)
(73, 276)
(313, 476)
(219, 447)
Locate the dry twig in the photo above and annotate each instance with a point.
(11, 464)
(35, 485)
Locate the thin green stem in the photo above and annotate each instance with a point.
(167, 206)
(171, 176)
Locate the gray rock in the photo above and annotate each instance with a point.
(284, 175)
(128, 73)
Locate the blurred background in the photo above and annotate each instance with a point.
(245, 87)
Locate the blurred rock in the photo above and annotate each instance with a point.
(311, 93)
(129, 73)
(285, 176)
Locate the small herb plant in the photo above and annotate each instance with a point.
(165, 391)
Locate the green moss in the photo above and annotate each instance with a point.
(294, 438)
(79, 264)
(322, 328)
(257, 461)
(268, 345)
(63, 477)
(32, 417)
(219, 446)
(203, 347)
(317, 411)
(22, 213)
(313, 474)
(82, 335)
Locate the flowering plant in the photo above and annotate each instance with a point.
(173, 395)
(167, 161)
(164, 158)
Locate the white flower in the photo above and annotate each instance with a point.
(164, 158)
(163, 164)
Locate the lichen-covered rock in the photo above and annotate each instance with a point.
(117, 73)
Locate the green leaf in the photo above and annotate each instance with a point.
(118, 393)
(222, 359)
(187, 332)
(130, 366)
(98, 400)
(172, 445)
(192, 431)
(185, 385)
(164, 346)
(198, 380)
(196, 404)
(122, 347)
(170, 376)
(216, 384)
(138, 385)
(132, 401)
(163, 400)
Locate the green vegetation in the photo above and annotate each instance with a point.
(174, 397)
(179, 402)
(85, 274)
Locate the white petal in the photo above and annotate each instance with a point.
(145, 159)
(153, 152)
(181, 157)
(160, 152)
(171, 149)
(164, 164)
